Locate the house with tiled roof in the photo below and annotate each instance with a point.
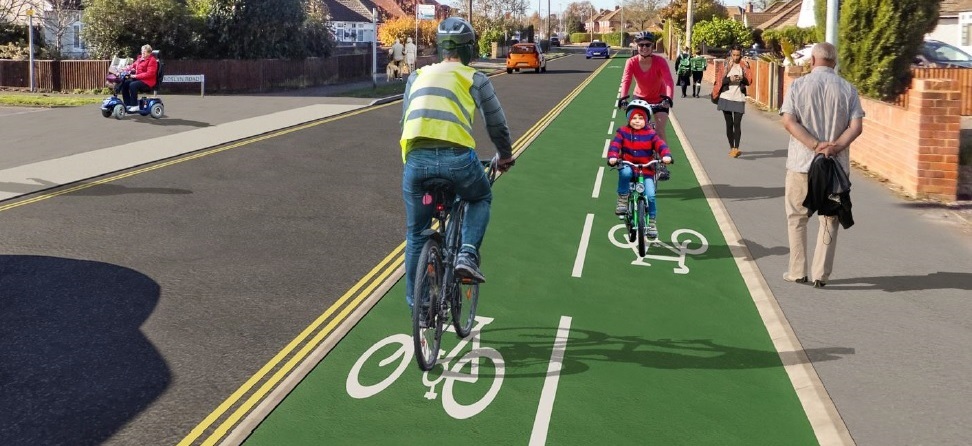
(350, 20)
(779, 14)
(954, 24)
(783, 13)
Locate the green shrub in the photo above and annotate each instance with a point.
(879, 40)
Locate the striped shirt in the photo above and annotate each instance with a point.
(638, 146)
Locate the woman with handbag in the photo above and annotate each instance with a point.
(729, 93)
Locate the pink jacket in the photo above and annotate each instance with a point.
(650, 85)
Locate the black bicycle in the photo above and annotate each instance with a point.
(439, 293)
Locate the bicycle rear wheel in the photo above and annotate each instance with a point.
(426, 323)
(640, 215)
(465, 298)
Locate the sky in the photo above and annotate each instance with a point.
(606, 4)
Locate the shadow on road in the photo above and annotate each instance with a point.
(99, 190)
(74, 365)
(529, 355)
(891, 284)
(166, 121)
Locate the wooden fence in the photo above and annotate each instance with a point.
(221, 75)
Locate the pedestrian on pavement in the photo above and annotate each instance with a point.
(730, 93)
(398, 56)
(411, 51)
(683, 69)
(697, 63)
(823, 114)
(438, 107)
(652, 78)
(637, 143)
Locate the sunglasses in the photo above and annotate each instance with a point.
(646, 45)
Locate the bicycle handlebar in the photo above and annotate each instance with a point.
(648, 164)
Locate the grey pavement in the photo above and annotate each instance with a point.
(895, 310)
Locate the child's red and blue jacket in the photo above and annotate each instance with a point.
(638, 146)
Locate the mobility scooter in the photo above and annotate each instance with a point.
(147, 106)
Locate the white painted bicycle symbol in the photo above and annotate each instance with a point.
(683, 243)
(450, 375)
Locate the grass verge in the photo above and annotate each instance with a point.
(383, 90)
(45, 100)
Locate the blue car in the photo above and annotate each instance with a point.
(598, 49)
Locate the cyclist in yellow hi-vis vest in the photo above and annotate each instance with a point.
(438, 107)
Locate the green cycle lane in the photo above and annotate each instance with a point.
(664, 350)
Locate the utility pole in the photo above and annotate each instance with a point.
(374, 47)
(833, 10)
(689, 18)
(30, 43)
(622, 23)
(548, 25)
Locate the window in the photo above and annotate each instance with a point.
(77, 36)
(967, 34)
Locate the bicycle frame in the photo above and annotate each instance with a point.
(636, 218)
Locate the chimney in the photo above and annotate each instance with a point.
(749, 7)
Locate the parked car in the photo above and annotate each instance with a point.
(525, 55)
(598, 49)
(936, 54)
(800, 56)
(554, 41)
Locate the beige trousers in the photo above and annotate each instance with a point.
(796, 228)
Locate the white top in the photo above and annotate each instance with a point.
(734, 93)
(410, 51)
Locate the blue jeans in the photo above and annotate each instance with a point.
(624, 187)
(462, 167)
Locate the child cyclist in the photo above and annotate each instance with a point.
(637, 143)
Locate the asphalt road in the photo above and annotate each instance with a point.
(132, 309)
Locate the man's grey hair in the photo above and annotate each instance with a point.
(824, 51)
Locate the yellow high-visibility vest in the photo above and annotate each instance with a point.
(440, 106)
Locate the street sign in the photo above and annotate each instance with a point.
(426, 12)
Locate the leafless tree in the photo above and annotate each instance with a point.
(59, 19)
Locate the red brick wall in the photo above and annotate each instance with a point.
(915, 147)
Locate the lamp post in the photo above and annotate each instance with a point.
(30, 44)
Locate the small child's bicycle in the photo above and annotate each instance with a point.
(439, 292)
(636, 217)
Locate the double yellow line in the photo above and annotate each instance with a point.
(360, 291)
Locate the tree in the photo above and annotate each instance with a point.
(640, 12)
(257, 29)
(115, 27)
(705, 10)
(721, 33)
(58, 19)
(879, 40)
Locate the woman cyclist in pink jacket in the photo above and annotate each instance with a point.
(653, 80)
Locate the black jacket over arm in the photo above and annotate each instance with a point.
(828, 191)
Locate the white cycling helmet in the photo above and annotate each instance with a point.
(639, 104)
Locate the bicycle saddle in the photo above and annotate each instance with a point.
(437, 184)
